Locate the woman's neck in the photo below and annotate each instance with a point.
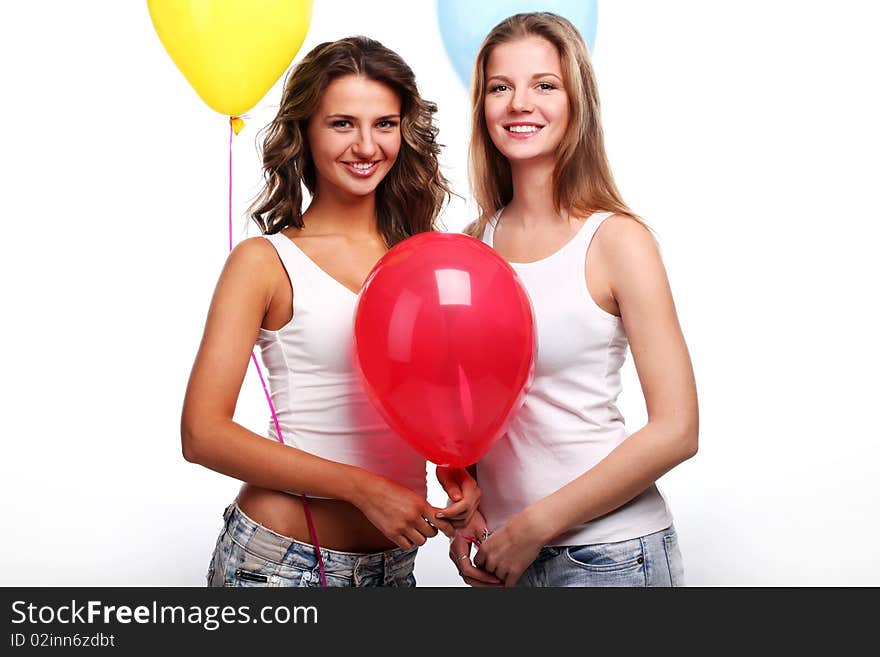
(334, 214)
(532, 204)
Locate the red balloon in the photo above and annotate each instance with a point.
(444, 340)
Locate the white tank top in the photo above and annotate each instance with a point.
(320, 403)
(569, 420)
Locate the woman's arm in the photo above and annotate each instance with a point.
(211, 438)
(641, 288)
(628, 253)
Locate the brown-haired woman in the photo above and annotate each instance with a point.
(354, 130)
(569, 493)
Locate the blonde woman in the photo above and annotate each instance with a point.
(569, 493)
(353, 129)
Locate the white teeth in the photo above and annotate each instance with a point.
(363, 166)
(523, 128)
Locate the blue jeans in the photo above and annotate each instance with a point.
(652, 560)
(248, 554)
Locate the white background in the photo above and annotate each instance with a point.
(745, 133)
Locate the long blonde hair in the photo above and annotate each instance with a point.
(582, 180)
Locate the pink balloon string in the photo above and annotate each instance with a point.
(312, 531)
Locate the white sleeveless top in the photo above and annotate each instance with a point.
(569, 420)
(320, 403)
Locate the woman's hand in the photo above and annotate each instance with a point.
(401, 514)
(464, 493)
(508, 551)
(460, 552)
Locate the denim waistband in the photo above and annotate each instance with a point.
(286, 551)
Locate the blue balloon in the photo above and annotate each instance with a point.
(465, 23)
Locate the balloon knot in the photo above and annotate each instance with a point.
(237, 123)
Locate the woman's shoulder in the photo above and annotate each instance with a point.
(620, 234)
(254, 257)
(252, 249)
(625, 243)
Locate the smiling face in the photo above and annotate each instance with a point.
(526, 103)
(354, 136)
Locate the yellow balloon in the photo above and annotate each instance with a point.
(230, 51)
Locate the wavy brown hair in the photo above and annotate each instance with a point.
(410, 197)
(582, 180)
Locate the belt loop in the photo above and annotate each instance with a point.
(387, 570)
(356, 572)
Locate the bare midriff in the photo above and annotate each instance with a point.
(338, 524)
